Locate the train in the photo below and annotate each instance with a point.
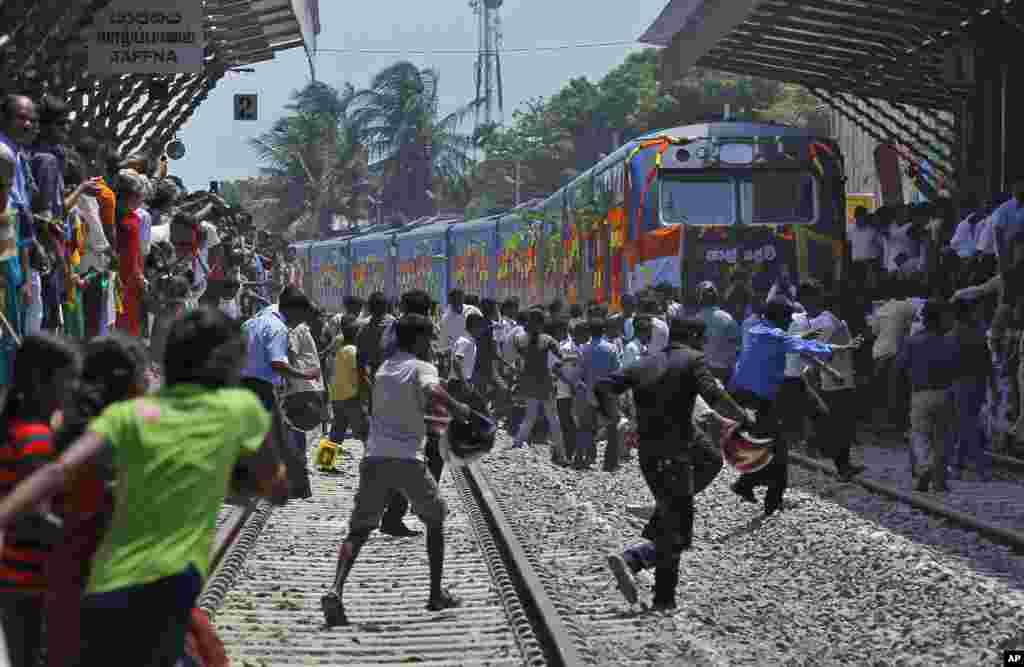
(676, 207)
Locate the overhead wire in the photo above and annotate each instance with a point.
(427, 52)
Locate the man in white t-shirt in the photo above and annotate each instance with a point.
(464, 351)
(407, 393)
(453, 322)
(835, 432)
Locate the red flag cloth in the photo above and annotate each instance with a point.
(203, 644)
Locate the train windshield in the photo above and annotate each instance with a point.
(777, 197)
(698, 199)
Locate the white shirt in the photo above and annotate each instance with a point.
(96, 243)
(674, 309)
(397, 429)
(899, 242)
(965, 238)
(986, 237)
(570, 367)
(465, 356)
(659, 336)
(146, 229)
(201, 266)
(836, 332)
(453, 325)
(509, 352)
(891, 324)
(864, 243)
(794, 362)
(303, 355)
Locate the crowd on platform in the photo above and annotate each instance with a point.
(93, 241)
(115, 280)
(102, 253)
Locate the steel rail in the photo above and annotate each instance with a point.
(1008, 536)
(535, 620)
(547, 625)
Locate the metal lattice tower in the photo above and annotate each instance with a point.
(489, 88)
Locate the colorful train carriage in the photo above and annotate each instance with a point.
(422, 260)
(372, 267)
(473, 258)
(331, 271)
(677, 206)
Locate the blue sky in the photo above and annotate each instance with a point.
(217, 145)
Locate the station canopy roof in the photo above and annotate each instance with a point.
(43, 49)
(883, 49)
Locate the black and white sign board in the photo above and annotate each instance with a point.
(147, 37)
(246, 106)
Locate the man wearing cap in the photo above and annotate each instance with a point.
(665, 387)
(721, 333)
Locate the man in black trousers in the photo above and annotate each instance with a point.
(665, 386)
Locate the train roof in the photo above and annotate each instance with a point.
(696, 131)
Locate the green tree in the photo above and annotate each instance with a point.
(399, 122)
(231, 193)
(318, 145)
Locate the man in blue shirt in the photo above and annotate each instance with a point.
(932, 363)
(598, 360)
(760, 372)
(1007, 226)
(267, 362)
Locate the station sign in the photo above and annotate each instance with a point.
(147, 37)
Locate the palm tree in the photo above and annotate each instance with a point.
(399, 122)
(317, 145)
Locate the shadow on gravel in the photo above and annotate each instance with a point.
(978, 553)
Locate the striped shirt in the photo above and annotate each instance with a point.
(29, 446)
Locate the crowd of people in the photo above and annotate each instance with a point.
(93, 241)
(112, 476)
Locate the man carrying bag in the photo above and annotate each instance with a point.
(675, 462)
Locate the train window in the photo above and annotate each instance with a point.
(697, 199)
(777, 198)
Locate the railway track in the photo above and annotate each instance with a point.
(274, 564)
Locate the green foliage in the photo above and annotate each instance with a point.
(231, 193)
(318, 142)
(399, 121)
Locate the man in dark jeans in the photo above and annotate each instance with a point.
(665, 386)
(267, 343)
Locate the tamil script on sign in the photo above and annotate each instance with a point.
(148, 37)
(732, 255)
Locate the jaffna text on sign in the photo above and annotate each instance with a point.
(148, 37)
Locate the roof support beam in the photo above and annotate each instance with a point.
(854, 117)
(839, 74)
(817, 80)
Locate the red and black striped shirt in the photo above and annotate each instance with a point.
(29, 446)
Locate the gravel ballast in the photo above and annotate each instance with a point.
(840, 577)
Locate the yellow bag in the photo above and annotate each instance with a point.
(327, 454)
